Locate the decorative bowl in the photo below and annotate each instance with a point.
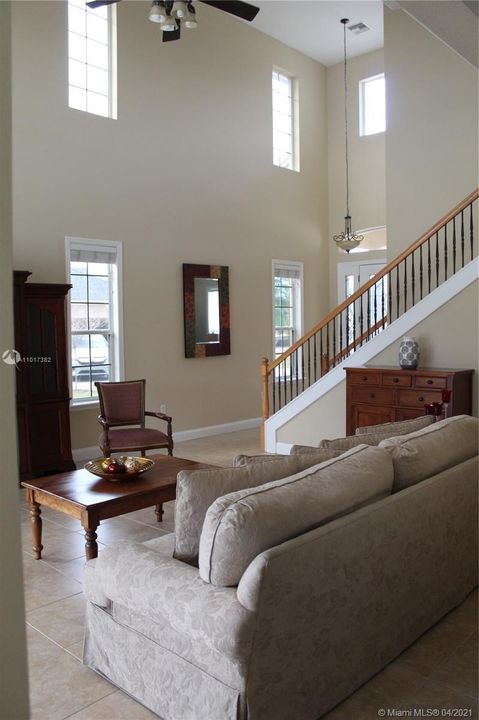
(137, 465)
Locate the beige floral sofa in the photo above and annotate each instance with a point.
(290, 581)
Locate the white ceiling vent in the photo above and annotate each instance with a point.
(359, 28)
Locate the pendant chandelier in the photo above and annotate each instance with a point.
(347, 240)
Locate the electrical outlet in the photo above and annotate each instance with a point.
(163, 408)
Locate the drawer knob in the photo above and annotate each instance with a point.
(429, 382)
(396, 380)
(420, 398)
(365, 378)
(372, 396)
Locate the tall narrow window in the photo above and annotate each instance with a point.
(372, 105)
(92, 58)
(94, 270)
(285, 136)
(287, 304)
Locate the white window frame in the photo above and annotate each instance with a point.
(116, 312)
(362, 104)
(112, 65)
(294, 116)
(298, 312)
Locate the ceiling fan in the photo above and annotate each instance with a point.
(169, 14)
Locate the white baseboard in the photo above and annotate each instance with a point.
(81, 455)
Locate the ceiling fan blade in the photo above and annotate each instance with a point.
(99, 3)
(172, 34)
(235, 7)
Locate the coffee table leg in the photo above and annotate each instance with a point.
(159, 512)
(36, 520)
(91, 547)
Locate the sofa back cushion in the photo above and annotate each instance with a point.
(398, 428)
(196, 490)
(352, 441)
(315, 454)
(241, 525)
(431, 450)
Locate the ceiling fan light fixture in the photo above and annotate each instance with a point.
(157, 13)
(190, 20)
(179, 9)
(169, 25)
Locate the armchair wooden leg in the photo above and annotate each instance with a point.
(159, 512)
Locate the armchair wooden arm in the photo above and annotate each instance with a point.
(161, 416)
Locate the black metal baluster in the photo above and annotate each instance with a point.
(390, 303)
(397, 291)
(445, 252)
(279, 387)
(302, 367)
(274, 390)
(429, 264)
(375, 296)
(347, 325)
(291, 376)
(437, 259)
(368, 317)
(413, 279)
(296, 369)
(286, 381)
(334, 341)
(309, 362)
(462, 237)
(471, 231)
(405, 285)
(361, 321)
(454, 245)
(341, 335)
(421, 271)
(321, 352)
(354, 326)
(327, 346)
(315, 358)
(383, 299)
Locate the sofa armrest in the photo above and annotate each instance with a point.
(163, 588)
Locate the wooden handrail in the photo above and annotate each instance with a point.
(374, 280)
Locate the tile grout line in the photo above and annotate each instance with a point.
(85, 707)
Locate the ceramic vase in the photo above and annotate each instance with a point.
(408, 353)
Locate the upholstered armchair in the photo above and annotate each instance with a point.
(122, 407)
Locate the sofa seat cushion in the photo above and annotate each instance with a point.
(431, 450)
(398, 428)
(243, 524)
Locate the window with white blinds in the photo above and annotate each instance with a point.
(285, 135)
(92, 58)
(94, 270)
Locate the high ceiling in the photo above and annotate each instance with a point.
(313, 27)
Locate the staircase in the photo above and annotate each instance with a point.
(396, 298)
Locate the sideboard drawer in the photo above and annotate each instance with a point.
(422, 381)
(366, 378)
(418, 398)
(384, 396)
(397, 380)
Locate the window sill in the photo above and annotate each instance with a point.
(90, 405)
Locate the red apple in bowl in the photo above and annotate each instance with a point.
(116, 467)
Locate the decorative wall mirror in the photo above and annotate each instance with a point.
(207, 310)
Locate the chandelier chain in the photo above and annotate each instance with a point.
(346, 119)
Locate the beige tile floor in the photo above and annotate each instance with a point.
(438, 672)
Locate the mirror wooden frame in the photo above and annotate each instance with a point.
(192, 347)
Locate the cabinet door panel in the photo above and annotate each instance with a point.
(408, 414)
(371, 415)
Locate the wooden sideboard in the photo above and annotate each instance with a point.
(376, 395)
(43, 396)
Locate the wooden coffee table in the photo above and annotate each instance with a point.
(90, 499)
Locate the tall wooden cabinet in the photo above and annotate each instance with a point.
(376, 395)
(43, 397)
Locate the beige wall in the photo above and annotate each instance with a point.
(210, 194)
(432, 136)
(443, 344)
(367, 171)
(13, 663)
